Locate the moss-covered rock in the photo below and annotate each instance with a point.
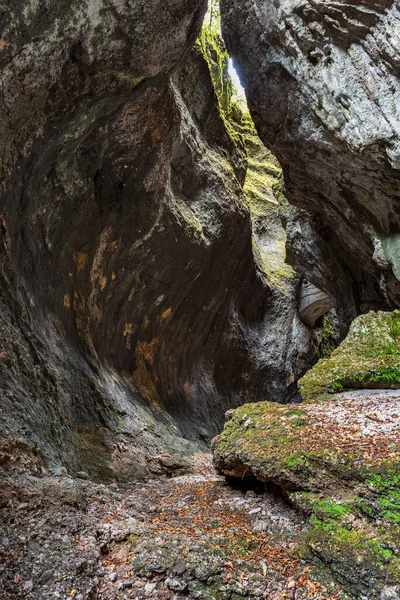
(369, 357)
(337, 462)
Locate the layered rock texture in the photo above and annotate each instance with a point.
(92, 135)
(137, 300)
(322, 84)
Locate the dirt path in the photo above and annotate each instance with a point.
(190, 536)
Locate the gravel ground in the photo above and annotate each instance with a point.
(368, 413)
(192, 536)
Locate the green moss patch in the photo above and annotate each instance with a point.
(338, 463)
(369, 357)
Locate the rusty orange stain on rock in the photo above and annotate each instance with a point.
(113, 276)
(186, 387)
(112, 246)
(67, 301)
(129, 330)
(146, 321)
(145, 381)
(103, 282)
(166, 314)
(80, 260)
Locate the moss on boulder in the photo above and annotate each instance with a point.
(369, 357)
(337, 462)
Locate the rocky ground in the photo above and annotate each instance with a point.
(337, 462)
(190, 536)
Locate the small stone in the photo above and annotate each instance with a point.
(113, 576)
(28, 586)
(46, 576)
(80, 564)
(389, 593)
(255, 511)
(176, 585)
(251, 494)
(149, 588)
(59, 471)
(180, 569)
(22, 506)
(158, 569)
(5, 542)
(128, 583)
(120, 536)
(82, 475)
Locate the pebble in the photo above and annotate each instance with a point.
(28, 586)
(389, 593)
(176, 585)
(180, 569)
(46, 576)
(59, 471)
(158, 569)
(251, 494)
(255, 511)
(149, 588)
(113, 576)
(128, 583)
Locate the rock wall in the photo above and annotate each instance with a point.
(85, 100)
(322, 84)
(133, 309)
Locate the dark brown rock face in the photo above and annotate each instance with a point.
(93, 133)
(323, 89)
(132, 310)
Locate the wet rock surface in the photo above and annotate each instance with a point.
(322, 84)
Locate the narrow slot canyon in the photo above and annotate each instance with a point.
(199, 300)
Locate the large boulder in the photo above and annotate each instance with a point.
(338, 463)
(369, 357)
(336, 458)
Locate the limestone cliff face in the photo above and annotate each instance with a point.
(323, 89)
(132, 307)
(89, 128)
